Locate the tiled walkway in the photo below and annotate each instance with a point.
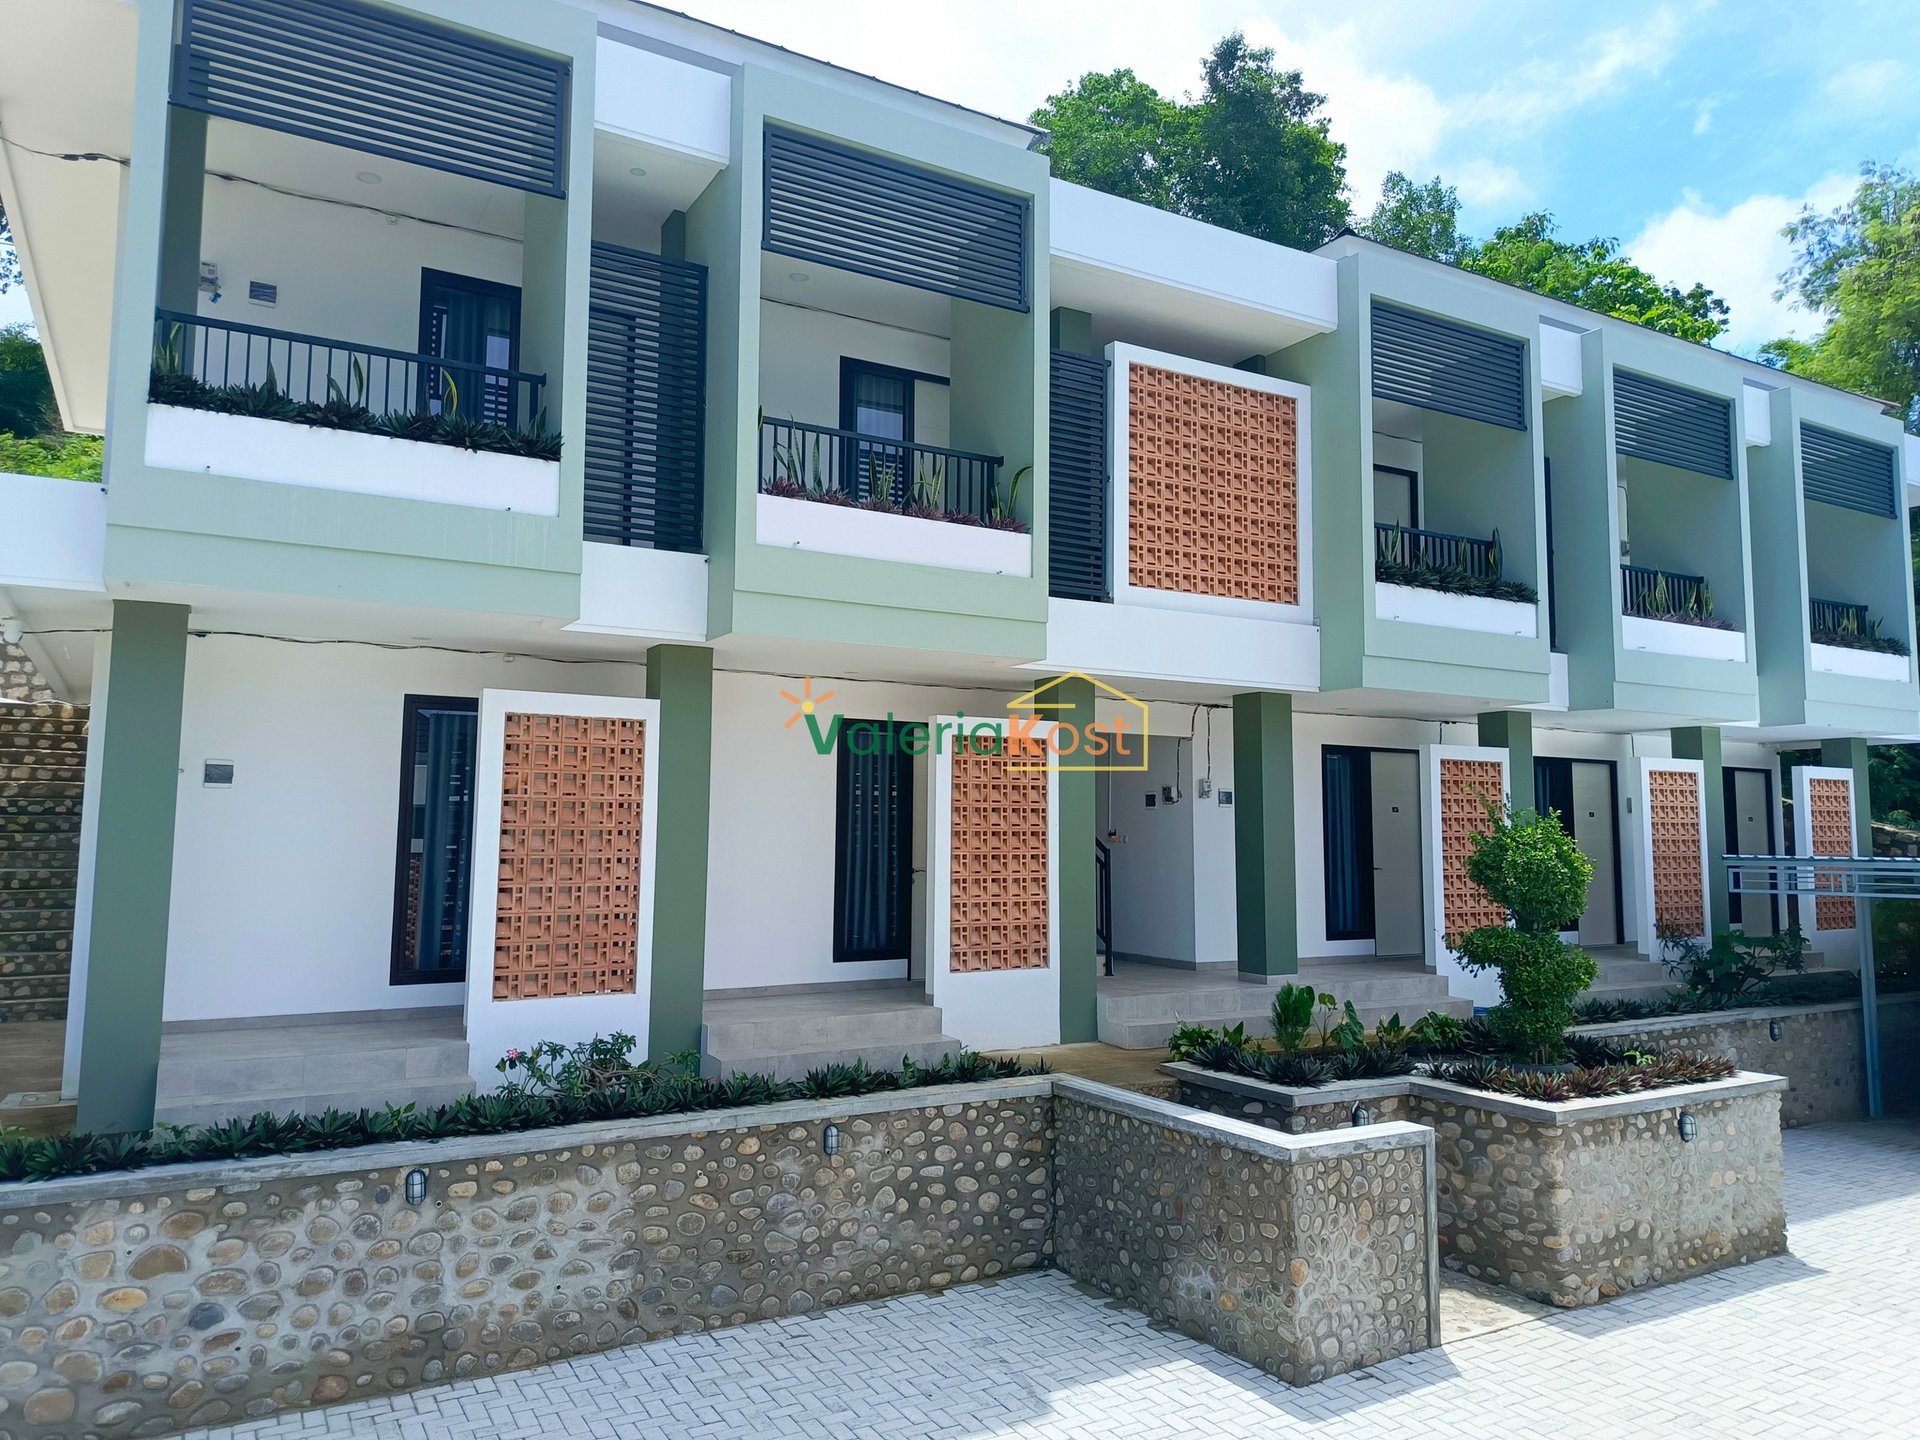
(1822, 1343)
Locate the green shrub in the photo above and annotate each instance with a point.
(559, 1085)
(1530, 867)
(59, 457)
(1293, 1007)
(1437, 1031)
(1589, 1082)
(1733, 965)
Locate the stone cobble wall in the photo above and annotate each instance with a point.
(1577, 1212)
(1305, 1265)
(1819, 1051)
(151, 1309)
(1281, 1113)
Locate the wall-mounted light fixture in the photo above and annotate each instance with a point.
(830, 1139)
(1362, 1115)
(416, 1186)
(1773, 1029)
(1689, 1127)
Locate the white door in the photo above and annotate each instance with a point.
(1592, 821)
(1399, 919)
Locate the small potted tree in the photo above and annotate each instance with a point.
(1530, 867)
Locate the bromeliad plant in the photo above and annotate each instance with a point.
(1530, 867)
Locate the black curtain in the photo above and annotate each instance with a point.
(1347, 817)
(873, 865)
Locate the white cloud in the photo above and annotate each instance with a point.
(1739, 253)
(1537, 92)
(1703, 117)
(1491, 186)
(1866, 83)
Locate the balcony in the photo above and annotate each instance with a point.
(1430, 577)
(297, 409)
(1672, 613)
(845, 492)
(1846, 640)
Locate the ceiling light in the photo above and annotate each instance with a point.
(367, 177)
(636, 170)
(799, 275)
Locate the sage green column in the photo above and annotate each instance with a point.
(1702, 743)
(1512, 731)
(1853, 755)
(1263, 851)
(138, 738)
(182, 209)
(680, 677)
(1071, 330)
(1077, 881)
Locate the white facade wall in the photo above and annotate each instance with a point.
(343, 274)
(283, 884)
(771, 855)
(800, 352)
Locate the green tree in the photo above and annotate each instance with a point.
(1858, 267)
(1419, 219)
(1116, 133)
(10, 275)
(1251, 153)
(1596, 276)
(26, 391)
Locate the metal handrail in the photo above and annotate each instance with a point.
(316, 368)
(819, 458)
(1103, 902)
(1657, 594)
(1841, 617)
(1395, 544)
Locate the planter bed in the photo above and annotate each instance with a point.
(877, 535)
(1867, 664)
(144, 1301)
(1566, 1203)
(1420, 606)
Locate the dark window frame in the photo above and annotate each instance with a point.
(454, 280)
(1730, 814)
(1413, 490)
(902, 872)
(400, 970)
(1613, 824)
(1363, 820)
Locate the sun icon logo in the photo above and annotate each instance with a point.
(804, 702)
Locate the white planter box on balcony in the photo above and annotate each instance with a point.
(1867, 664)
(287, 454)
(1417, 606)
(876, 535)
(1670, 637)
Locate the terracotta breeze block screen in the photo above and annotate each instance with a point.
(570, 840)
(1673, 817)
(1830, 823)
(1467, 787)
(1213, 488)
(999, 863)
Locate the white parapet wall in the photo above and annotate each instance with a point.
(283, 453)
(876, 535)
(1674, 637)
(1865, 664)
(1457, 612)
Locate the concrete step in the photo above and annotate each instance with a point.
(794, 1064)
(1152, 1033)
(727, 1032)
(421, 1094)
(206, 1075)
(1143, 1019)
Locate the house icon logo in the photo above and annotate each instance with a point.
(1117, 743)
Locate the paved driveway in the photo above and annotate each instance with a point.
(1823, 1342)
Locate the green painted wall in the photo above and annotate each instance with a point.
(1853, 755)
(680, 677)
(1702, 743)
(1071, 330)
(1479, 476)
(1077, 883)
(1805, 549)
(138, 737)
(1263, 840)
(159, 521)
(1512, 731)
(999, 404)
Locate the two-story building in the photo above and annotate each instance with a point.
(573, 470)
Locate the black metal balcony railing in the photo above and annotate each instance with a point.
(1398, 545)
(817, 460)
(221, 354)
(1664, 594)
(1836, 617)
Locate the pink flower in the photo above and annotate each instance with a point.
(513, 1054)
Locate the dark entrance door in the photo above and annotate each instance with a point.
(1748, 797)
(472, 323)
(873, 859)
(433, 866)
(1585, 796)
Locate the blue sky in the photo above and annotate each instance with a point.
(1691, 129)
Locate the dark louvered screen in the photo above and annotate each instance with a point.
(1838, 469)
(873, 216)
(1671, 425)
(646, 399)
(1454, 369)
(378, 81)
(1077, 478)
